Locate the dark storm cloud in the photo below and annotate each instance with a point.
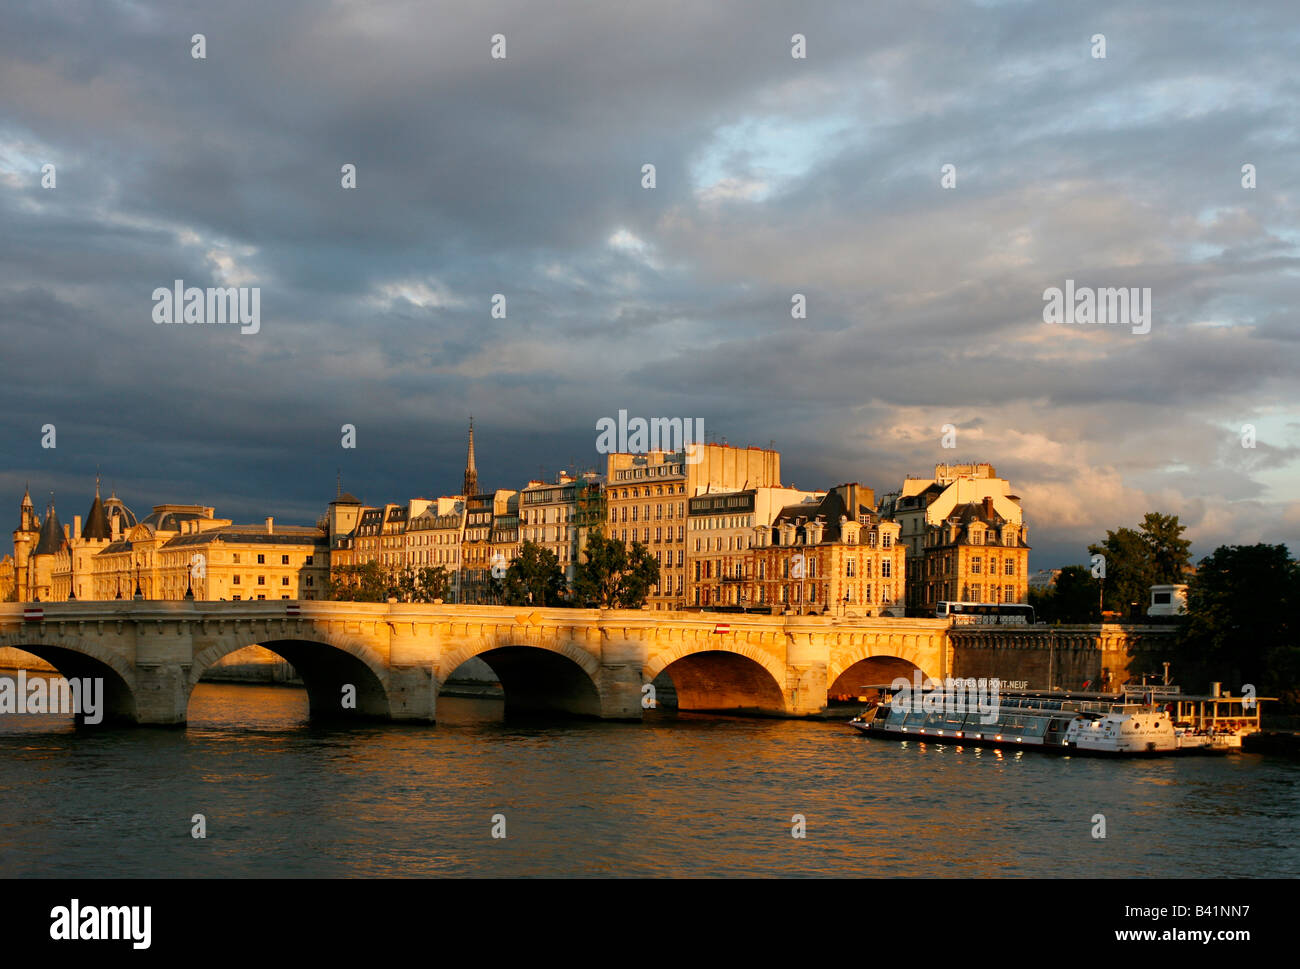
(775, 176)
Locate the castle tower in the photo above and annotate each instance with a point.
(471, 471)
(50, 542)
(26, 535)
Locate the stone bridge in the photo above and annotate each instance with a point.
(397, 658)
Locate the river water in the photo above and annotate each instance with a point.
(679, 795)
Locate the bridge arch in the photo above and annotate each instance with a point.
(327, 664)
(871, 671)
(74, 657)
(721, 677)
(536, 678)
(895, 651)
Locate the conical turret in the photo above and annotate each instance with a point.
(96, 525)
(51, 540)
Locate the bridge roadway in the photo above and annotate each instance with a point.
(398, 657)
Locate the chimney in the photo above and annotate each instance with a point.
(269, 520)
(988, 506)
(76, 525)
(67, 534)
(117, 528)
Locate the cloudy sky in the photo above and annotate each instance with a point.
(774, 175)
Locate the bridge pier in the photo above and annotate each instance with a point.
(619, 679)
(162, 693)
(413, 693)
(807, 656)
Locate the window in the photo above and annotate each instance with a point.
(310, 583)
(307, 560)
(1009, 593)
(284, 580)
(284, 560)
(235, 558)
(261, 579)
(261, 559)
(887, 540)
(850, 568)
(235, 581)
(886, 569)
(976, 565)
(1009, 567)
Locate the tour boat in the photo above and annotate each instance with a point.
(1150, 721)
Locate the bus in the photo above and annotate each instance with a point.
(986, 613)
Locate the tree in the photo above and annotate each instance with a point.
(433, 582)
(642, 573)
(1075, 598)
(1241, 624)
(370, 582)
(534, 578)
(358, 583)
(1155, 554)
(1170, 553)
(610, 575)
(1129, 571)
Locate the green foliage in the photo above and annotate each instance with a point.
(1241, 626)
(612, 576)
(1074, 598)
(372, 583)
(534, 578)
(1154, 554)
(1170, 553)
(357, 583)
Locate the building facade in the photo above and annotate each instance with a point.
(646, 501)
(720, 531)
(974, 555)
(923, 504)
(177, 551)
(835, 556)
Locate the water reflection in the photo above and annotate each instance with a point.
(680, 794)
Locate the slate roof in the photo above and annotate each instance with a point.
(51, 540)
(96, 524)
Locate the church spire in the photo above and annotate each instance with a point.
(471, 470)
